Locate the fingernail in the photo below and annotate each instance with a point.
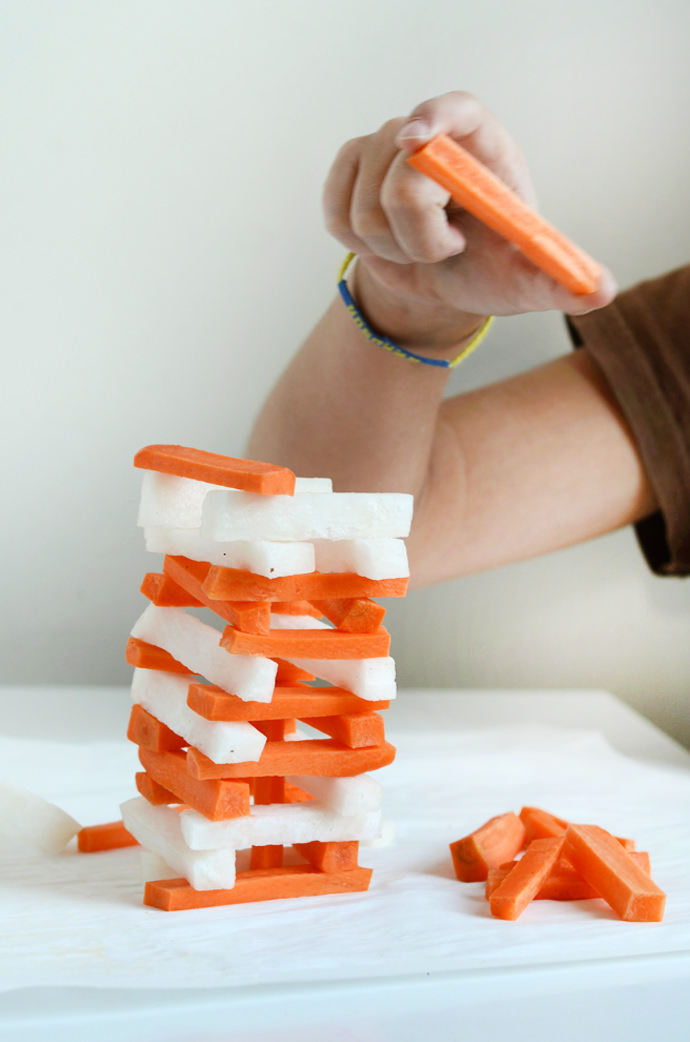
(414, 130)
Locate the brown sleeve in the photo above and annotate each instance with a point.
(641, 342)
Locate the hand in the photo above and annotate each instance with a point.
(427, 270)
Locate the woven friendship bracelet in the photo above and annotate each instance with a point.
(389, 345)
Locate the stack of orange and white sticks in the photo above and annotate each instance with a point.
(261, 667)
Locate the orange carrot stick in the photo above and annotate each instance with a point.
(250, 615)
(496, 841)
(315, 757)
(352, 614)
(233, 584)
(174, 895)
(153, 792)
(289, 701)
(150, 656)
(290, 674)
(268, 790)
(295, 608)
(355, 730)
(317, 644)
(564, 883)
(330, 857)
(146, 731)
(275, 730)
(480, 192)
(111, 836)
(539, 824)
(526, 878)
(217, 800)
(249, 475)
(161, 590)
(602, 861)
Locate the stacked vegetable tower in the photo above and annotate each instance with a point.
(257, 730)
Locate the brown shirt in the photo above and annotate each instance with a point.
(641, 342)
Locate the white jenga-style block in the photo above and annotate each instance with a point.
(164, 695)
(373, 558)
(158, 829)
(176, 502)
(278, 823)
(197, 646)
(373, 679)
(358, 794)
(229, 515)
(262, 557)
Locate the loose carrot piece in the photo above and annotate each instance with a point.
(353, 614)
(498, 840)
(250, 615)
(233, 584)
(314, 757)
(539, 824)
(161, 590)
(526, 878)
(217, 800)
(149, 733)
(249, 475)
(330, 857)
(563, 883)
(149, 656)
(485, 196)
(355, 730)
(601, 860)
(317, 644)
(174, 895)
(289, 701)
(111, 836)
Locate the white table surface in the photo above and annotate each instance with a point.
(627, 997)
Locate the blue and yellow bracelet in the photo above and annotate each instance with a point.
(389, 345)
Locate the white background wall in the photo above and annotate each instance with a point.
(163, 254)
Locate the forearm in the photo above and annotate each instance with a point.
(347, 409)
(526, 466)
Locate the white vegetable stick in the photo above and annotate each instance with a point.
(196, 645)
(283, 621)
(370, 678)
(372, 558)
(158, 829)
(348, 796)
(313, 485)
(266, 558)
(164, 695)
(153, 866)
(386, 838)
(229, 515)
(278, 823)
(170, 500)
(43, 824)
(176, 502)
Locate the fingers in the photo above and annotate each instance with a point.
(375, 204)
(580, 305)
(464, 118)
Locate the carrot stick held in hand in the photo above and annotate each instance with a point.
(485, 196)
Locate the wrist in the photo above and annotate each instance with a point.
(413, 322)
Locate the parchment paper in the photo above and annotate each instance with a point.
(78, 919)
